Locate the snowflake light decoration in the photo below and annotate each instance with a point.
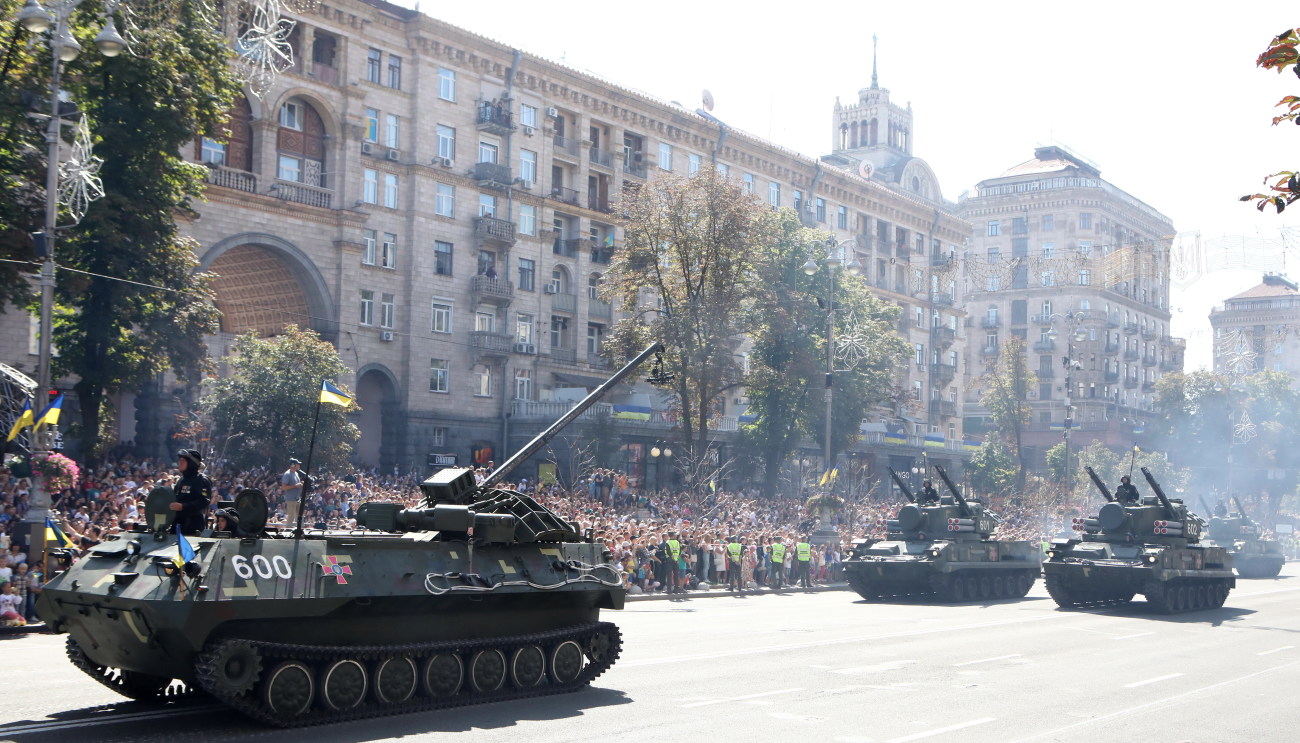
(79, 182)
(264, 49)
(1237, 354)
(1243, 429)
(851, 346)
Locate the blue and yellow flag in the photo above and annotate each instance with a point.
(23, 421)
(184, 551)
(50, 415)
(333, 395)
(54, 534)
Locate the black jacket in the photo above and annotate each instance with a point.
(194, 493)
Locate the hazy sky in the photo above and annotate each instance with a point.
(1163, 96)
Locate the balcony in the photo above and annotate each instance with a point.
(220, 175)
(1043, 318)
(301, 193)
(602, 254)
(989, 351)
(943, 408)
(1148, 386)
(634, 166)
(487, 289)
(484, 341)
(1169, 340)
(326, 73)
(1148, 361)
(1167, 366)
(566, 146)
(1047, 345)
(1130, 328)
(1148, 334)
(566, 195)
(492, 175)
(549, 411)
(1112, 323)
(990, 323)
(944, 335)
(1130, 382)
(596, 361)
(1111, 377)
(494, 118)
(598, 203)
(943, 299)
(566, 355)
(569, 248)
(1045, 375)
(941, 259)
(564, 302)
(599, 309)
(1131, 355)
(602, 158)
(493, 230)
(945, 372)
(1111, 349)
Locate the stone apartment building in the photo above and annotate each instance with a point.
(1255, 330)
(1079, 270)
(441, 208)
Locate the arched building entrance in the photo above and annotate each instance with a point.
(381, 418)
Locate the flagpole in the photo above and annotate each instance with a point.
(306, 471)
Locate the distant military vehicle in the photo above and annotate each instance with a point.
(1253, 556)
(481, 594)
(1153, 547)
(945, 550)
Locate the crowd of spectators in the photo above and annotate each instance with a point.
(634, 524)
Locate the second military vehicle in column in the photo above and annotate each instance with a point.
(1253, 556)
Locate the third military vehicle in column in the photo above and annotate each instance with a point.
(1152, 547)
(1253, 556)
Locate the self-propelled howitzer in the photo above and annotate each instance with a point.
(1153, 548)
(1253, 556)
(480, 594)
(944, 550)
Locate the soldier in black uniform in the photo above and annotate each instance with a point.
(193, 493)
(928, 493)
(1127, 493)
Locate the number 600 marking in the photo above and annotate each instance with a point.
(277, 566)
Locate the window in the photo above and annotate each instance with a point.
(442, 258)
(527, 274)
(748, 182)
(991, 340)
(798, 200)
(842, 218)
(665, 156)
(485, 322)
(387, 310)
(559, 331)
(446, 142)
(446, 84)
(524, 328)
(372, 125)
(527, 219)
(920, 354)
(391, 131)
(1085, 248)
(367, 307)
(1019, 225)
(289, 169)
(1049, 251)
(483, 382)
(593, 285)
(441, 317)
(212, 152)
(1085, 220)
(821, 210)
(370, 186)
(995, 255)
(774, 194)
(438, 375)
(394, 72)
(388, 255)
(692, 164)
(723, 169)
(390, 190)
(995, 228)
(528, 166)
(528, 115)
(444, 200)
(1085, 277)
(291, 116)
(487, 205)
(369, 240)
(487, 152)
(1049, 222)
(372, 66)
(438, 436)
(523, 384)
(595, 335)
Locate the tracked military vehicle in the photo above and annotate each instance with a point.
(481, 594)
(1152, 547)
(1252, 555)
(943, 549)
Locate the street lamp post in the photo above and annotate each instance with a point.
(834, 257)
(1072, 320)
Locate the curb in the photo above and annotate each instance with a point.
(720, 593)
(28, 628)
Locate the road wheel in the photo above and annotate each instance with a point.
(289, 689)
(958, 588)
(396, 680)
(343, 686)
(487, 671)
(443, 675)
(566, 662)
(999, 586)
(527, 666)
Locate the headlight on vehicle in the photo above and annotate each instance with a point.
(1051, 554)
(1152, 559)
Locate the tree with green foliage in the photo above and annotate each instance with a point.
(991, 469)
(129, 302)
(1283, 53)
(265, 408)
(1110, 465)
(1006, 397)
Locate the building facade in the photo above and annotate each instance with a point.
(1079, 270)
(1255, 330)
(441, 208)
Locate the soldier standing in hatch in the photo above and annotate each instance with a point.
(928, 494)
(193, 493)
(1127, 493)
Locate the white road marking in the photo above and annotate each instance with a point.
(1158, 703)
(740, 699)
(941, 731)
(986, 660)
(843, 641)
(1130, 637)
(1166, 677)
(891, 665)
(1276, 650)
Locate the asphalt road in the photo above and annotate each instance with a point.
(812, 667)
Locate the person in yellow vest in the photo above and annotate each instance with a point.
(802, 559)
(672, 557)
(735, 549)
(777, 552)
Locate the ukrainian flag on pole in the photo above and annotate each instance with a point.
(54, 534)
(333, 395)
(23, 421)
(184, 550)
(50, 415)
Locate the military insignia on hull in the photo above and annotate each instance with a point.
(334, 566)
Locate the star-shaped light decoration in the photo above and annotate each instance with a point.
(79, 182)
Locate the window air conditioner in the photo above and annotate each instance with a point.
(553, 112)
(552, 289)
(528, 131)
(443, 161)
(386, 335)
(392, 155)
(367, 148)
(525, 348)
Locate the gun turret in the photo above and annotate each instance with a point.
(1160, 493)
(1241, 510)
(1100, 485)
(902, 485)
(965, 507)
